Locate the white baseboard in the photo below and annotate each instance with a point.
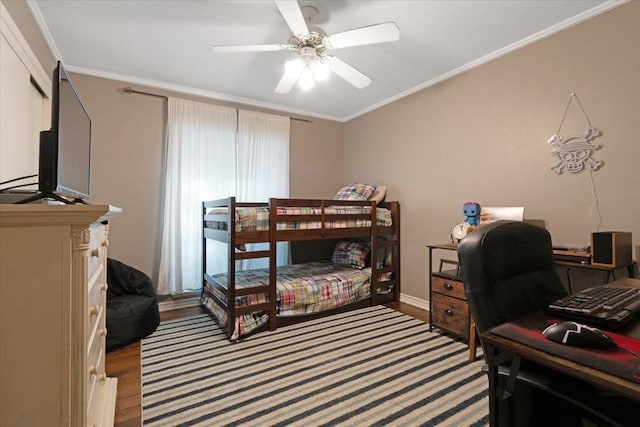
(416, 302)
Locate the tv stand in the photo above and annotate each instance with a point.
(50, 195)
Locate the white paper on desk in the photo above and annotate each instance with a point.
(490, 214)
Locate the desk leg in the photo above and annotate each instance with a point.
(430, 284)
(492, 363)
(472, 339)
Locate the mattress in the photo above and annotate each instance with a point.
(301, 289)
(257, 218)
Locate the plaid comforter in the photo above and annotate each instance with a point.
(301, 289)
(257, 218)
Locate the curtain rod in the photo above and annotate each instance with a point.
(129, 90)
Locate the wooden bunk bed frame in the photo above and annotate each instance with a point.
(221, 227)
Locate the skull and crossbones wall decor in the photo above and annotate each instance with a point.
(574, 153)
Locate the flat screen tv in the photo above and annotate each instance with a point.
(64, 170)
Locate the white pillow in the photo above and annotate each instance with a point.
(379, 193)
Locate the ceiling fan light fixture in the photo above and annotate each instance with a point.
(294, 67)
(320, 70)
(306, 81)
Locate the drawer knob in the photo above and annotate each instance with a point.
(93, 311)
(448, 286)
(95, 253)
(105, 243)
(93, 370)
(448, 312)
(104, 287)
(103, 332)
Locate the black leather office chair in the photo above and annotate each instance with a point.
(508, 271)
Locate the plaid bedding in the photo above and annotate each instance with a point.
(257, 218)
(244, 323)
(301, 289)
(351, 254)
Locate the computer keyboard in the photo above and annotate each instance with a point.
(599, 305)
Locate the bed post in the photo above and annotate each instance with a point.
(273, 222)
(204, 253)
(396, 253)
(231, 268)
(374, 254)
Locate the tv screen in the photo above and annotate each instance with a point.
(65, 149)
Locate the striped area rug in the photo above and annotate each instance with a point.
(369, 367)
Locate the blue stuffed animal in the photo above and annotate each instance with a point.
(471, 212)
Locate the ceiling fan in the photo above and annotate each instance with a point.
(312, 45)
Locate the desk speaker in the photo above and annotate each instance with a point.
(611, 249)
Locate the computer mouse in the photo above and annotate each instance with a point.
(576, 334)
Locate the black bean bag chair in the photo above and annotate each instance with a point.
(132, 307)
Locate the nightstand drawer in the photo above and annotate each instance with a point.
(451, 314)
(449, 287)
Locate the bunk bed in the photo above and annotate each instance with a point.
(345, 254)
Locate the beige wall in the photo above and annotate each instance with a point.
(482, 136)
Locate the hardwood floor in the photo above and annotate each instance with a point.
(124, 364)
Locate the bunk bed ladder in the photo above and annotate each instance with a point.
(222, 236)
(227, 235)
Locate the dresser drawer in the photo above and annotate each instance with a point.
(96, 294)
(94, 317)
(97, 248)
(447, 286)
(95, 359)
(451, 314)
(95, 335)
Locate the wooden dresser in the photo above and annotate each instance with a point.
(448, 307)
(52, 316)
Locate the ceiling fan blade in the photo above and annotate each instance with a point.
(347, 72)
(288, 79)
(293, 15)
(251, 48)
(378, 33)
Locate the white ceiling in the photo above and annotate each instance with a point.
(167, 44)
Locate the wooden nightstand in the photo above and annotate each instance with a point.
(448, 307)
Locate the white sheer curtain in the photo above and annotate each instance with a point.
(201, 139)
(263, 167)
(215, 152)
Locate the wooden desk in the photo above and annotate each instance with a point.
(500, 350)
(610, 271)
